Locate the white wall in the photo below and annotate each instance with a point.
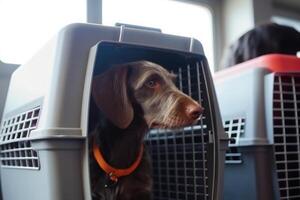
(238, 17)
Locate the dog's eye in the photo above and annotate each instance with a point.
(152, 84)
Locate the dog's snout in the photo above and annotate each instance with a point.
(193, 111)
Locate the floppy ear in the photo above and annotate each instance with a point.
(109, 91)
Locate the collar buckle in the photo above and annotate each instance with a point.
(111, 180)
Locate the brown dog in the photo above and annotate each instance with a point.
(132, 98)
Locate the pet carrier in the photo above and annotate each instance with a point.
(44, 145)
(259, 103)
(5, 73)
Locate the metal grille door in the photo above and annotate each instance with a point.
(180, 158)
(286, 111)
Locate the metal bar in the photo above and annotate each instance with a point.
(202, 133)
(192, 129)
(292, 196)
(291, 170)
(174, 139)
(184, 146)
(283, 124)
(158, 161)
(287, 161)
(297, 125)
(167, 166)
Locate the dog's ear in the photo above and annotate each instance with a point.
(109, 91)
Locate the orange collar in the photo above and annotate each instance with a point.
(112, 172)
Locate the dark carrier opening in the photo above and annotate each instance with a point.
(183, 160)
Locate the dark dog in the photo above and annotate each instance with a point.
(132, 98)
(263, 39)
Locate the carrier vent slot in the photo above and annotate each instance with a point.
(286, 112)
(234, 128)
(16, 150)
(180, 158)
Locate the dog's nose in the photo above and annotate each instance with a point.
(194, 111)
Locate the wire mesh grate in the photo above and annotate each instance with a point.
(234, 128)
(286, 111)
(180, 158)
(16, 151)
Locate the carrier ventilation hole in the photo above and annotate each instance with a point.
(234, 128)
(16, 150)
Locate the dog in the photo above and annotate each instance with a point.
(263, 39)
(132, 98)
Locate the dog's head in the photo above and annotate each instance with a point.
(121, 89)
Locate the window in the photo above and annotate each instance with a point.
(286, 21)
(27, 25)
(172, 17)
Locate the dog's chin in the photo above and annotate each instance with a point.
(173, 125)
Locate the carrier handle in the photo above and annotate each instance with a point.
(123, 26)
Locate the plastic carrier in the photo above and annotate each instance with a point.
(5, 74)
(44, 131)
(260, 106)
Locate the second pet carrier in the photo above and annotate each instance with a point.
(5, 74)
(44, 132)
(260, 106)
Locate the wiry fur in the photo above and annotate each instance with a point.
(120, 140)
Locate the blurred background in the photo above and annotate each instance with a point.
(27, 25)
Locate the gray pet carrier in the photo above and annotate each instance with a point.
(260, 106)
(44, 146)
(5, 74)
